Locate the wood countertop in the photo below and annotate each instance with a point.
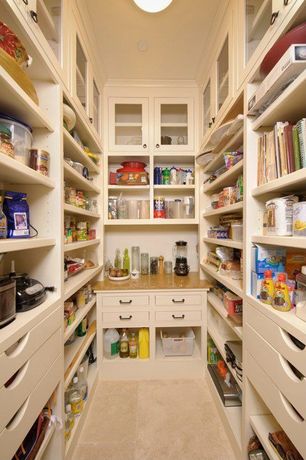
(154, 282)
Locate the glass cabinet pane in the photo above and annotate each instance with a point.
(96, 107)
(174, 124)
(223, 74)
(258, 15)
(128, 124)
(81, 74)
(49, 13)
(206, 108)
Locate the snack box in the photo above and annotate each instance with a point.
(294, 262)
(264, 258)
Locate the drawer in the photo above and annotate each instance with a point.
(178, 299)
(15, 431)
(31, 372)
(278, 369)
(122, 316)
(125, 300)
(15, 356)
(286, 415)
(278, 337)
(178, 316)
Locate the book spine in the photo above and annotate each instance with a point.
(296, 148)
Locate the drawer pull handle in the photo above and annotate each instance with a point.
(123, 318)
(18, 416)
(14, 381)
(273, 17)
(178, 301)
(294, 414)
(122, 302)
(34, 16)
(178, 317)
(292, 341)
(291, 370)
(15, 349)
(286, 2)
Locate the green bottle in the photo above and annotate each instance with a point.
(126, 260)
(117, 262)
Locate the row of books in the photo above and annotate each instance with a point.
(281, 151)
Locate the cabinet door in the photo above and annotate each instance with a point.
(173, 124)
(95, 110)
(223, 89)
(128, 124)
(207, 107)
(81, 75)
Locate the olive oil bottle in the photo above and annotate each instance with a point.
(124, 344)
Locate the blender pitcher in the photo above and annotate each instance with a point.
(180, 254)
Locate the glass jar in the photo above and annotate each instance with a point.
(135, 259)
(6, 146)
(144, 263)
(154, 265)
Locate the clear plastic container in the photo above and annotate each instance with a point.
(21, 139)
(237, 231)
(177, 342)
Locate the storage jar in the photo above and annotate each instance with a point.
(21, 137)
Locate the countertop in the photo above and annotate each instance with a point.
(154, 282)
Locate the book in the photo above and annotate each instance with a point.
(296, 148)
(289, 147)
(277, 154)
(280, 126)
(301, 128)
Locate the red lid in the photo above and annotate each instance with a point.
(268, 274)
(281, 277)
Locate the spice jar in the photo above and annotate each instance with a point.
(6, 146)
(82, 231)
(153, 265)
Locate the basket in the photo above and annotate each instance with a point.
(178, 342)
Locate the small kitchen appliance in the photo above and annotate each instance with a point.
(7, 300)
(180, 253)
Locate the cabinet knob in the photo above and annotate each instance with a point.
(157, 146)
(213, 119)
(273, 17)
(178, 317)
(144, 146)
(123, 318)
(91, 119)
(34, 16)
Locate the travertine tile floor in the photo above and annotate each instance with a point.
(153, 420)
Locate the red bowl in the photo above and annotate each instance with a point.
(137, 166)
(297, 36)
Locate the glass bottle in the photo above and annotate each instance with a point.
(144, 263)
(3, 222)
(133, 346)
(135, 260)
(124, 344)
(83, 387)
(126, 260)
(166, 176)
(75, 398)
(69, 421)
(118, 262)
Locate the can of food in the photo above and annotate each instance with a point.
(112, 207)
(159, 208)
(39, 161)
(280, 215)
(299, 219)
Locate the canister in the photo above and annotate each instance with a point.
(39, 161)
(280, 215)
(112, 207)
(299, 219)
(159, 207)
(177, 208)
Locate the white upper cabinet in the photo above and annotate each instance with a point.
(207, 107)
(81, 75)
(173, 124)
(128, 124)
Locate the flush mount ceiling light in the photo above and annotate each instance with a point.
(153, 6)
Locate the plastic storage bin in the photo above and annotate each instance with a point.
(21, 138)
(178, 342)
(237, 232)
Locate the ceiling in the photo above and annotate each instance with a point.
(132, 44)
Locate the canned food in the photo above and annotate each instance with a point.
(299, 219)
(159, 208)
(39, 161)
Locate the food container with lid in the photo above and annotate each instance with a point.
(237, 231)
(299, 219)
(39, 161)
(6, 146)
(21, 138)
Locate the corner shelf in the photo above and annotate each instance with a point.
(68, 208)
(233, 285)
(80, 314)
(14, 172)
(225, 179)
(217, 304)
(74, 151)
(74, 283)
(79, 181)
(80, 245)
(224, 242)
(224, 210)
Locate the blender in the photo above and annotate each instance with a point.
(180, 253)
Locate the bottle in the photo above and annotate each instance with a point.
(118, 262)
(124, 344)
(82, 328)
(281, 300)
(69, 421)
(75, 398)
(166, 176)
(111, 344)
(3, 222)
(143, 343)
(83, 387)
(161, 265)
(267, 288)
(133, 346)
(126, 260)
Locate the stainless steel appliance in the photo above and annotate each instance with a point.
(7, 300)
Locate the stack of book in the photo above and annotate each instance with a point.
(281, 151)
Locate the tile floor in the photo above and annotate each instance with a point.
(153, 420)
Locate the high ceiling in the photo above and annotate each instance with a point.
(133, 44)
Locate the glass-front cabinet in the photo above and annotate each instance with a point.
(173, 124)
(223, 74)
(81, 74)
(96, 106)
(207, 107)
(129, 125)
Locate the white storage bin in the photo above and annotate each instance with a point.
(178, 342)
(237, 232)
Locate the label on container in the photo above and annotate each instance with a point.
(159, 208)
(115, 348)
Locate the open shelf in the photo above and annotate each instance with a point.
(128, 187)
(262, 426)
(16, 103)
(80, 211)
(24, 244)
(224, 210)
(291, 182)
(224, 242)
(178, 188)
(159, 355)
(286, 241)
(226, 179)
(74, 283)
(79, 181)
(74, 151)
(80, 245)
(233, 285)
(80, 314)
(217, 304)
(233, 143)
(14, 172)
(150, 222)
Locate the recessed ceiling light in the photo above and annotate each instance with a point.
(142, 45)
(153, 6)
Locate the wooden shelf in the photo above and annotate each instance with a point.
(226, 179)
(128, 187)
(79, 181)
(225, 210)
(80, 314)
(292, 182)
(229, 144)
(68, 208)
(178, 188)
(288, 106)
(14, 172)
(16, 103)
(217, 304)
(74, 283)
(74, 151)
(12, 245)
(283, 241)
(74, 353)
(174, 125)
(128, 125)
(233, 285)
(262, 426)
(224, 242)
(118, 222)
(46, 22)
(80, 245)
